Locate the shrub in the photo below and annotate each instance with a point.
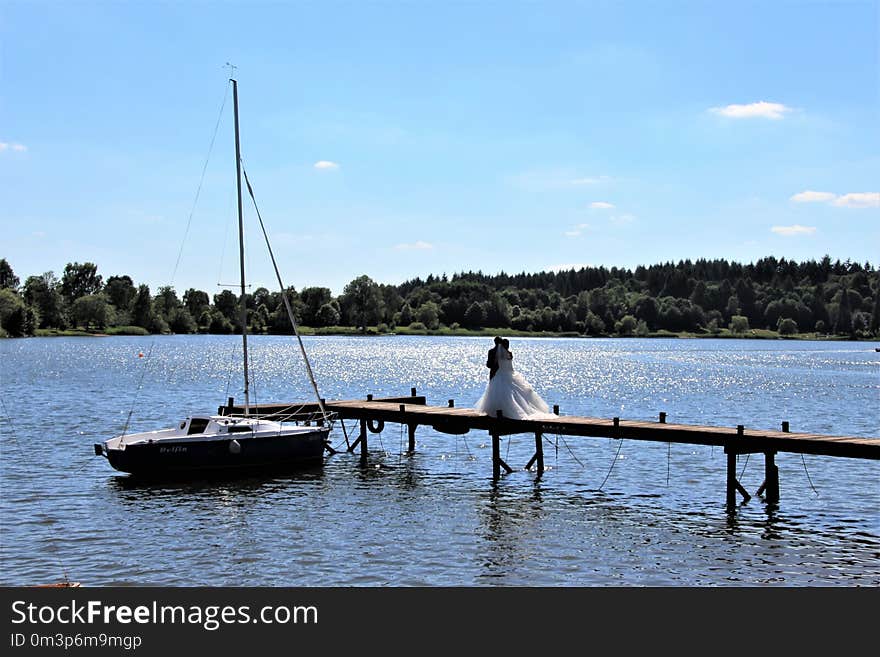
(739, 324)
(786, 326)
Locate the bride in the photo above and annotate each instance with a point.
(509, 392)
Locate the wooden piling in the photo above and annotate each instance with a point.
(771, 479)
(363, 441)
(555, 409)
(662, 417)
(497, 461)
(411, 431)
(731, 479)
(539, 451)
(451, 403)
(771, 473)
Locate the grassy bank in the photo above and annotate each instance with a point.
(80, 333)
(754, 334)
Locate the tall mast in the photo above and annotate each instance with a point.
(241, 247)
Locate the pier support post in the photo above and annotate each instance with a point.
(539, 453)
(733, 484)
(363, 441)
(771, 479)
(731, 479)
(411, 430)
(497, 461)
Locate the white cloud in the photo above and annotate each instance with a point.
(576, 267)
(415, 246)
(601, 205)
(326, 165)
(858, 200)
(796, 229)
(809, 196)
(5, 146)
(554, 179)
(577, 230)
(622, 219)
(761, 109)
(589, 181)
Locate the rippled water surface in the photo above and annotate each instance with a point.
(436, 518)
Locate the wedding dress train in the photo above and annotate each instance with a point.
(509, 392)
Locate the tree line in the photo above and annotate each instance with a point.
(702, 296)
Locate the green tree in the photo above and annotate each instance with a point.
(739, 324)
(220, 324)
(196, 301)
(405, 316)
(166, 304)
(260, 319)
(180, 321)
(12, 313)
(8, 279)
(787, 326)
(328, 314)
(80, 280)
(120, 291)
(228, 305)
(142, 308)
(626, 325)
(860, 322)
(474, 316)
(874, 324)
(363, 298)
(429, 315)
(593, 324)
(91, 310)
(42, 292)
(843, 325)
(313, 298)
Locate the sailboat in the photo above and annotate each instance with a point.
(223, 442)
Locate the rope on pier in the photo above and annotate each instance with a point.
(804, 461)
(745, 465)
(619, 445)
(565, 442)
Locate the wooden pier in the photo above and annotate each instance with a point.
(413, 412)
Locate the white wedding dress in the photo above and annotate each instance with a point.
(509, 392)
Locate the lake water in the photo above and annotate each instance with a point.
(436, 518)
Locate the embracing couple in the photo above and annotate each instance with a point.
(508, 391)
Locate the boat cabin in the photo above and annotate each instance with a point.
(205, 424)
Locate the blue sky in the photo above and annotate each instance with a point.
(401, 139)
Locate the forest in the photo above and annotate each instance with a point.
(768, 298)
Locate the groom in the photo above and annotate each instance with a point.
(491, 360)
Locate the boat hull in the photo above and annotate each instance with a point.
(252, 452)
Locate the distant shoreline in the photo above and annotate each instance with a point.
(724, 334)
